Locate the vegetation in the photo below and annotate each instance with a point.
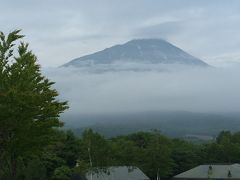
(152, 152)
(28, 106)
(33, 147)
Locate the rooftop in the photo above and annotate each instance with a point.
(212, 171)
(119, 173)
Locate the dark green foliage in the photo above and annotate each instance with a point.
(125, 152)
(51, 161)
(70, 149)
(151, 152)
(29, 108)
(185, 155)
(35, 169)
(154, 153)
(225, 149)
(95, 149)
(62, 173)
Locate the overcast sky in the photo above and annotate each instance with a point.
(60, 30)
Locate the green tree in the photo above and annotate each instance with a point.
(125, 152)
(157, 156)
(70, 149)
(29, 108)
(185, 155)
(51, 161)
(94, 151)
(62, 173)
(151, 152)
(226, 148)
(35, 169)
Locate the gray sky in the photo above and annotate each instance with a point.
(60, 30)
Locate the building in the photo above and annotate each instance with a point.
(213, 172)
(118, 173)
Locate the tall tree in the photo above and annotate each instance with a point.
(95, 150)
(69, 149)
(29, 108)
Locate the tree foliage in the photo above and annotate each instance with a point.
(29, 108)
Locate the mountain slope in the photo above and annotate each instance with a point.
(149, 51)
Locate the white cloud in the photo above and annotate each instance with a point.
(196, 90)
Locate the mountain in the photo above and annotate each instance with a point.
(145, 51)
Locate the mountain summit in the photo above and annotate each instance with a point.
(149, 51)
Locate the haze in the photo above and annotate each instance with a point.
(59, 32)
(179, 89)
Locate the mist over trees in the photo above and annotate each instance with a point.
(32, 145)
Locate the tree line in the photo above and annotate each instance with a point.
(154, 153)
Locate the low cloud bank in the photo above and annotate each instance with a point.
(147, 88)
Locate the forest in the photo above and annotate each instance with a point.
(33, 144)
(68, 155)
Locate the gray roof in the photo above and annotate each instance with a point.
(217, 172)
(119, 173)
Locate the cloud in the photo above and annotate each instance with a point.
(196, 90)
